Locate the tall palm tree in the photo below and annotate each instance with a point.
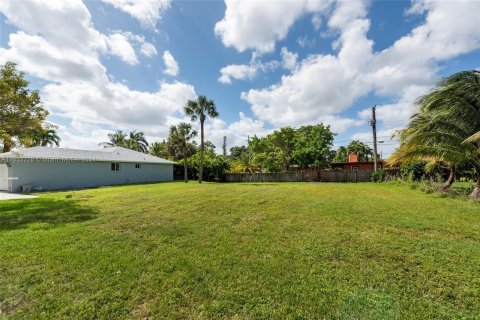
(447, 125)
(200, 109)
(182, 134)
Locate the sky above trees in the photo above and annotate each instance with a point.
(112, 65)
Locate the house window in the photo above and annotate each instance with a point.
(137, 165)
(355, 168)
(115, 166)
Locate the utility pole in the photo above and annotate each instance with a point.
(224, 147)
(373, 123)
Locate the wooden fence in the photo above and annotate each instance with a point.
(302, 176)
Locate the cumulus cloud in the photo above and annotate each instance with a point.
(79, 87)
(322, 84)
(325, 85)
(259, 24)
(147, 12)
(237, 132)
(171, 66)
(247, 71)
(121, 47)
(237, 72)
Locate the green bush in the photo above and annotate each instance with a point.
(378, 176)
(413, 171)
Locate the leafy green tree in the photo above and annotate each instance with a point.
(160, 149)
(21, 110)
(312, 146)
(273, 152)
(181, 135)
(200, 109)
(237, 152)
(209, 147)
(214, 165)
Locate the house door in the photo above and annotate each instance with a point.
(3, 177)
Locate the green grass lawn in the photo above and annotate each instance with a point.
(240, 251)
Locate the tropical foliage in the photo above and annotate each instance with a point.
(363, 151)
(181, 135)
(133, 140)
(43, 137)
(446, 127)
(200, 109)
(307, 146)
(21, 110)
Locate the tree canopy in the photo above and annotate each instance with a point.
(21, 110)
(307, 146)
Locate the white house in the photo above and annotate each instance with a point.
(47, 168)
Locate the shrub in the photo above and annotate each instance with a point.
(378, 176)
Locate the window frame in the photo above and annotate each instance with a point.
(355, 168)
(138, 166)
(115, 166)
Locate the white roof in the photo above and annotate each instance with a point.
(111, 154)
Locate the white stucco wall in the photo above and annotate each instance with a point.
(74, 175)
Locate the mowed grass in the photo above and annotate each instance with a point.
(240, 251)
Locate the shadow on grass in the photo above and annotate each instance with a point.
(44, 213)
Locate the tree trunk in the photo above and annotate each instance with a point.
(450, 180)
(475, 195)
(185, 165)
(200, 175)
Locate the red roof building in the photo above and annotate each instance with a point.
(354, 164)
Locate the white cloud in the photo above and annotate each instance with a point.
(237, 72)
(246, 71)
(148, 49)
(324, 85)
(289, 59)
(259, 24)
(237, 132)
(171, 66)
(148, 12)
(121, 47)
(79, 87)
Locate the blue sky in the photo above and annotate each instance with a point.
(132, 65)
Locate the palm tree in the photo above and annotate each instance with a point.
(47, 137)
(41, 137)
(447, 125)
(181, 135)
(429, 138)
(134, 141)
(200, 110)
(116, 139)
